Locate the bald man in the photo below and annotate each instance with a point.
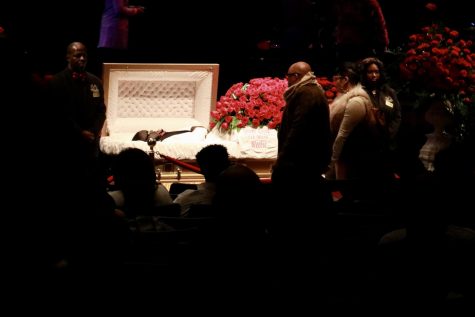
(304, 146)
(304, 136)
(299, 222)
(78, 109)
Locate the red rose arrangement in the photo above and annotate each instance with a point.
(329, 88)
(439, 61)
(258, 103)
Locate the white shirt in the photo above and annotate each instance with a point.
(203, 195)
(162, 197)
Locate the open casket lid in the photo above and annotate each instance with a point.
(172, 97)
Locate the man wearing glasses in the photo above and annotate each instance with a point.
(304, 150)
(304, 135)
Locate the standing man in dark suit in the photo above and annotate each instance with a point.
(299, 223)
(79, 112)
(76, 193)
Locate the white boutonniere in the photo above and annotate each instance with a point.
(389, 102)
(95, 91)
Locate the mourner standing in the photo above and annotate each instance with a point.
(79, 112)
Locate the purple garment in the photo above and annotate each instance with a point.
(114, 31)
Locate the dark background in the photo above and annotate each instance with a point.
(210, 31)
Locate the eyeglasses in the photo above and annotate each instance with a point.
(336, 77)
(292, 74)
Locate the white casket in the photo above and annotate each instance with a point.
(174, 97)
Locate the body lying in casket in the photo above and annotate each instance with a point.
(174, 100)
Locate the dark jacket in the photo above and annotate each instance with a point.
(304, 137)
(77, 105)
